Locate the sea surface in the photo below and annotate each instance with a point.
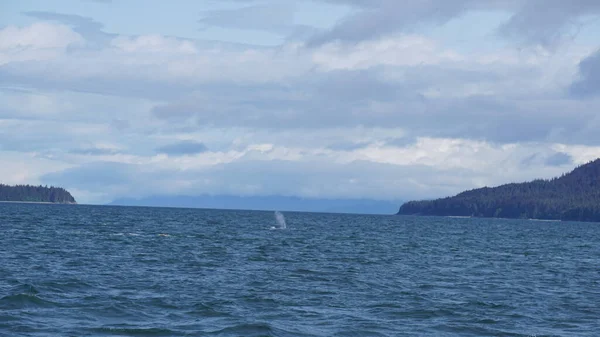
(128, 271)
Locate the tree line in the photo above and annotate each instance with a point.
(574, 196)
(29, 193)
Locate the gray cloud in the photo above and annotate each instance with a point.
(533, 21)
(93, 151)
(348, 146)
(339, 98)
(589, 82)
(29, 135)
(559, 159)
(284, 102)
(94, 176)
(353, 98)
(347, 98)
(43, 77)
(549, 158)
(87, 27)
(78, 22)
(317, 98)
(373, 19)
(383, 17)
(183, 148)
(324, 179)
(273, 18)
(548, 21)
(401, 141)
(356, 85)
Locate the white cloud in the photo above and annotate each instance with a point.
(315, 173)
(428, 168)
(41, 35)
(393, 117)
(37, 42)
(400, 50)
(153, 44)
(581, 153)
(26, 168)
(33, 104)
(527, 24)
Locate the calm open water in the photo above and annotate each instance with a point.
(121, 271)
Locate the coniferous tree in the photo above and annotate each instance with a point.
(30, 193)
(574, 196)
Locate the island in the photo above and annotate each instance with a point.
(39, 194)
(574, 196)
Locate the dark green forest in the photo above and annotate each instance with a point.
(28, 193)
(574, 196)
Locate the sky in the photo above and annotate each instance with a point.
(375, 99)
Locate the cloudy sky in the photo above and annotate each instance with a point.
(380, 99)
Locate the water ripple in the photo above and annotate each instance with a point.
(118, 271)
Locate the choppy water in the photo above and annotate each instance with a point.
(111, 271)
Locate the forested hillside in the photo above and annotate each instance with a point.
(573, 196)
(28, 193)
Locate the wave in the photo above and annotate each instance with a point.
(122, 331)
(206, 310)
(23, 301)
(247, 329)
(23, 296)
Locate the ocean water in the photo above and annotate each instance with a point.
(121, 271)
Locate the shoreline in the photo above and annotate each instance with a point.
(489, 217)
(37, 202)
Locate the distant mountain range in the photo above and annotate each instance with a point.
(28, 193)
(267, 203)
(574, 196)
